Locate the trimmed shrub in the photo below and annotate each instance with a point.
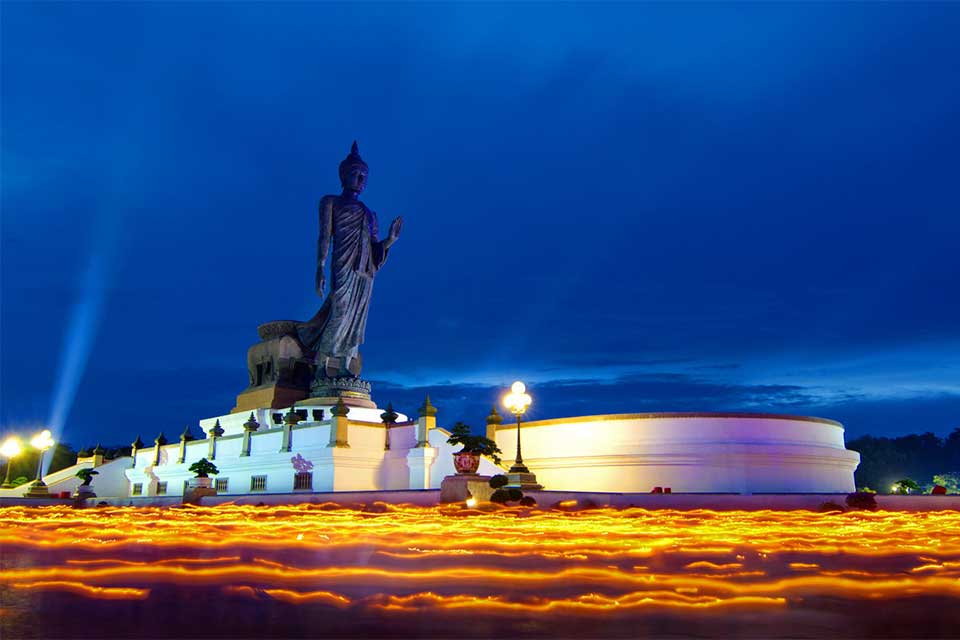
(515, 494)
(480, 445)
(86, 476)
(500, 496)
(528, 501)
(204, 468)
(498, 481)
(862, 501)
(906, 485)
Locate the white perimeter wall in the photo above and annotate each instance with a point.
(367, 465)
(738, 453)
(688, 453)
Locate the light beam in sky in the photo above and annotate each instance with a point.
(84, 319)
(81, 332)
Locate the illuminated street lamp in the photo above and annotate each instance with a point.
(517, 402)
(41, 441)
(9, 450)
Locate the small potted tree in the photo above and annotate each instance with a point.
(204, 469)
(467, 460)
(84, 490)
(905, 486)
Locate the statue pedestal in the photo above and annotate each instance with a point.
(350, 401)
(455, 488)
(355, 392)
(279, 368)
(275, 396)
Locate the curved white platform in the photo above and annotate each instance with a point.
(688, 452)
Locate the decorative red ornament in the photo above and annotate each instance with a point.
(466, 462)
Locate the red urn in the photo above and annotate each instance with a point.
(466, 462)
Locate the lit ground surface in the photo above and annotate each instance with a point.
(324, 571)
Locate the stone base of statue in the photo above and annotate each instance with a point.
(275, 396)
(38, 489)
(353, 391)
(459, 487)
(279, 368)
(523, 480)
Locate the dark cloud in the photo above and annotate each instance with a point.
(679, 392)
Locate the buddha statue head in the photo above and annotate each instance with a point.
(353, 171)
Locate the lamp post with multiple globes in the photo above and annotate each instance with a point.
(41, 441)
(10, 450)
(517, 402)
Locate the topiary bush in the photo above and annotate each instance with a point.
(498, 481)
(479, 445)
(906, 486)
(86, 476)
(861, 500)
(949, 481)
(515, 494)
(500, 496)
(528, 501)
(204, 468)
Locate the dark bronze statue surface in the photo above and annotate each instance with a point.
(336, 332)
(321, 357)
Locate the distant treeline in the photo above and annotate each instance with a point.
(884, 461)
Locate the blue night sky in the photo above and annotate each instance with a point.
(633, 207)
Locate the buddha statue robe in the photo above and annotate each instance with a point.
(336, 332)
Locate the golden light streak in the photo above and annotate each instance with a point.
(325, 597)
(705, 564)
(402, 560)
(585, 603)
(96, 561)
(79, 588)
(287, 595)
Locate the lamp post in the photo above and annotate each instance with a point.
(41, 441)
(10, 450)
(517, 402)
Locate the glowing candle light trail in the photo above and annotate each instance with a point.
(414, 557)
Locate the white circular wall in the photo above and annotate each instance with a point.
(688, 452)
